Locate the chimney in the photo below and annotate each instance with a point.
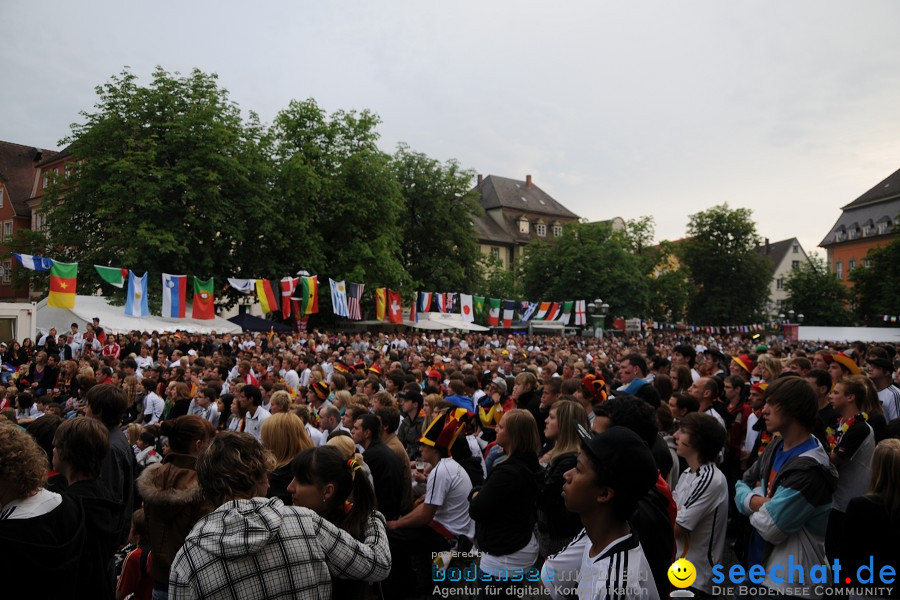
(528, 181)
(480, 180)
(768, 249)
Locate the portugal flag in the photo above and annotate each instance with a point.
(204, 301)
(62, 285)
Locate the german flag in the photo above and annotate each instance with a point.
(342, 367)
(62, 285)
(268, 301)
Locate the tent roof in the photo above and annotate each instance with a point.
(248, 322)
(113, 318)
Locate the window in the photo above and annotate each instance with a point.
(882, 227)
(44, 181)
(7, 230)
(541, 230)
(796, 249)
(779, 283)
(851, 264)
(68, 170)
(495, 252)
(867, 262)
(523, 225)
(867, 230)
(557, 230)
(1, 197)
(7, 271)
(839, 269)
(795, 264)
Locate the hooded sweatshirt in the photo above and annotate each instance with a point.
(260, 548)
(101, 515)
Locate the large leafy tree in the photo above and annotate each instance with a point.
(338, 195)
(816, 293)
(875, 285)
(438, 245)
(497, 281)
(587, 261)
(671, 287)
(730, 277)
(167, 177)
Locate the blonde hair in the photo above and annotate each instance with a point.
(521, 431)
(134, 433)
(527, 378)
(282, 399)
(342, 399)
(770, 363)
(284, 435)
(345, 444)
(885, 483)
(568, 414)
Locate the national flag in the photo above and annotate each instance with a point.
(380, 303)
(566, 312)
(452, 302)
(268, 301)
(478, 307)
(530, 309)
(441, 302)
(354, 296)
(493, 312)
(413, 315)
(465, 308)
(580, 313)
(423, 303)
(310, 294)
(204, 306)
(244, 286)
(288, 285)
(63, 279)
(554, 312)
(509, 307)
(174, 301)
(394, 307)
(542, 311)
(112, 275)
(136, 300)
(339, 298)
(35, 263)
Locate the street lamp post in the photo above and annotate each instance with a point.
(598, 310)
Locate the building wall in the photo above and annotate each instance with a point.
(500, 251)
(9, 225)
(777, 292)
(842, 258)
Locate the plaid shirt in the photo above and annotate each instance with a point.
(259, 548)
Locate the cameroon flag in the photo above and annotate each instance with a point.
(204, 306)
(62, 285)
(310, 298)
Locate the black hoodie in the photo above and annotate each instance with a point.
(101, 514)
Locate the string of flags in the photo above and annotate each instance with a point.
(890, 318)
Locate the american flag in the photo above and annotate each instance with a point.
(354, 295)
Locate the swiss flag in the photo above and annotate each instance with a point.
(394, 307)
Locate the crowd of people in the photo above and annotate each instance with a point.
(352, 465)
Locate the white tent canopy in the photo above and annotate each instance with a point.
(113, 319)
(434, 320)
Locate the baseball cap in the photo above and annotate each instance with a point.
(500, 383)
(433, 374)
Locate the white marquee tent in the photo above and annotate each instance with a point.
(113, 319)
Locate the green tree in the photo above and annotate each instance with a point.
(875, 286)
(339, 195)
(438, 246)
(817, 294)
(671, 287)
(587, 261)
(496, 280)
(166, 177)
(730, 277)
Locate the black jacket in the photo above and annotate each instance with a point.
(555, 519)
(101, 513)
(387, 475)
(504, 509)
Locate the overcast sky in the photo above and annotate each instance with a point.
(627, 108)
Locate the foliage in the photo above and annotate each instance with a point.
(671, 287)
(437, 246)
(817, 294)
(587, 261)
(876, 284)
(731, 278)
(166, 177)
(496, 280)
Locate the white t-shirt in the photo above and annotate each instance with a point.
(317, 437)
(559, 574)
(292, 380)
(752, 434)
(702, 500)
(448, 489)
(619, 571)
(253, 423)
(154, 406)
(33, 506)
(890, 401)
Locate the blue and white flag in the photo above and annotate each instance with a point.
(339, 298)
(174, 296)
(529, 311)
(136, 300)
(34, 263)
(244, 286)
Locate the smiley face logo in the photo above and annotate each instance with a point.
(682, 573)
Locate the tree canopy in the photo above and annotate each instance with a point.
(875, 285)
(817, 294)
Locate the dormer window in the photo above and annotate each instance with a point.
(541, 230)
(557, 230)
(524, 226)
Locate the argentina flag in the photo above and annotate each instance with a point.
(339, 298)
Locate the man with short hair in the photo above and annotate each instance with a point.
(787, 492)
(330, 423)
(881, 372)
(632, 374)
(204, 405)
(387, 468)
(685, 355)
(410, 430)
(250, 403)
(826, 417)
(706, 391)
